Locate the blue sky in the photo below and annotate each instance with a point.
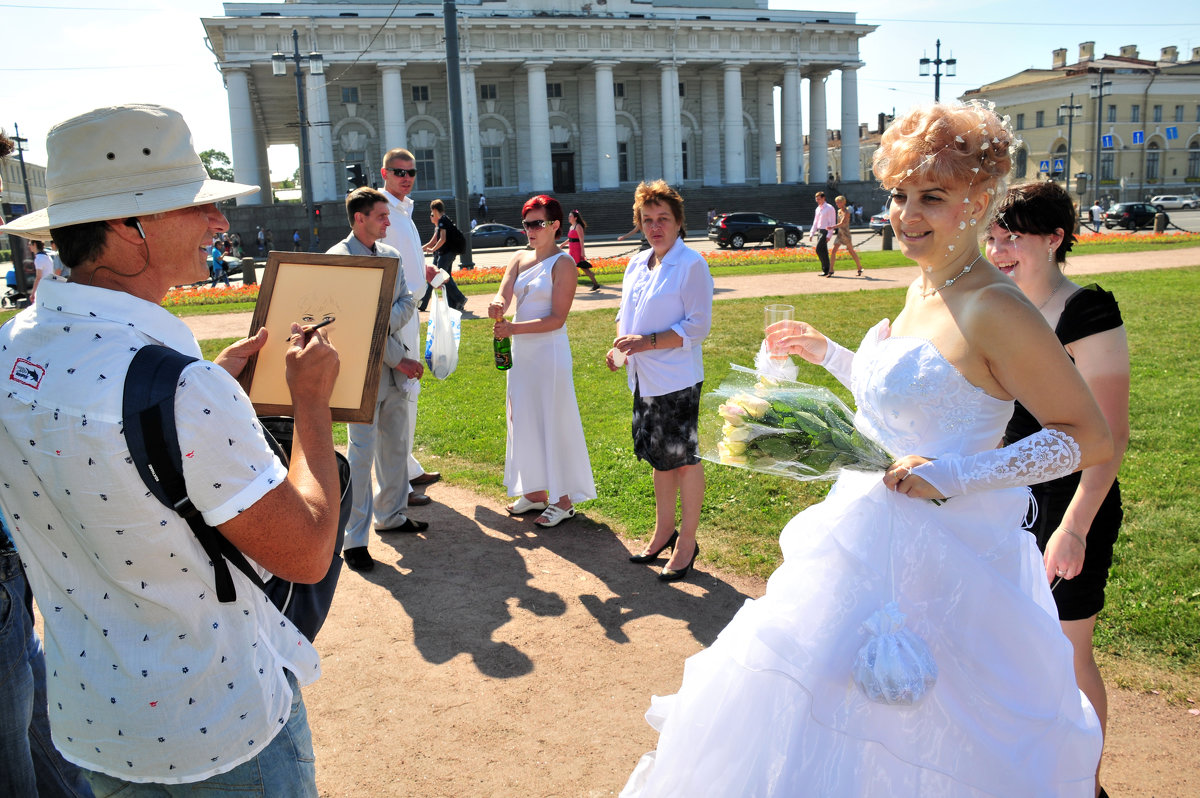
(63, 57)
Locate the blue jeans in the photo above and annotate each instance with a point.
(30, 765)
(286, 768)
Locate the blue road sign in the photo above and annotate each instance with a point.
(1044, 166)
(1172, 133)
(1139, 137)
(1059, 165)
(1106, 141)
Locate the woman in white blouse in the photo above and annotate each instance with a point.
(666, 312)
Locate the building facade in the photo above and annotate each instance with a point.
(557, 95)
(1131, 122)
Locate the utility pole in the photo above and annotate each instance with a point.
(316, 65)
(1098, 87)
(21, 160)
(1071, 110)
(457, 135)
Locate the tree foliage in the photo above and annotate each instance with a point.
(217, 164)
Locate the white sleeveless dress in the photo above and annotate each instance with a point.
(771, 709)
(546, 449)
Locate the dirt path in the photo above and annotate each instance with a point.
(489, 658)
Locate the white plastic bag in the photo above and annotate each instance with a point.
(441, 337)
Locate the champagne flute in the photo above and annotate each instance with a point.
(774, 313)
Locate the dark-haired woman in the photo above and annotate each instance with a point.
(546, 465)
(1078, 515)
(666, 312)
(575, 246)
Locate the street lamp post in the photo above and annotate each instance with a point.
(1071, 110)
(1098, 88)
(316, 65)
(937, 62)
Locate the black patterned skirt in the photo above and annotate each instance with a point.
(666, 429)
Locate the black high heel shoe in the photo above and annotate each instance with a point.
(651, 556)
(668, 575)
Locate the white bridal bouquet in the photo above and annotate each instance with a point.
(783, 427)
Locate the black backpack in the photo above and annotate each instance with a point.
(148, 416)
(455, 241)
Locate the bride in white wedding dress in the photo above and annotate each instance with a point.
(805, 692)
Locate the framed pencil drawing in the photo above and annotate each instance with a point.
(353, 295)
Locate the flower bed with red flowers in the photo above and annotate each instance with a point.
(192, 296)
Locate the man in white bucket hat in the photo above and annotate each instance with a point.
(152, 680)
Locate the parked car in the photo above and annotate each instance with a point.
(882, 219)
(496, 235)
(738, 229)
(1166, 202)
(1131, 215)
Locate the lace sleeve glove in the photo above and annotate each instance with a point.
(838, 360)
(1047, 454)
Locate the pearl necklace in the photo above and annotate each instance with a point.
(954, 279)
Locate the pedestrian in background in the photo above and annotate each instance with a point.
(1097, 214)
(443, 255)
(842, 236)
(824, 223)
(575, 248)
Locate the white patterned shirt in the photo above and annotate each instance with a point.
(676, 295)
(150, 678)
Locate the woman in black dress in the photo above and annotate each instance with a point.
(1077, 515)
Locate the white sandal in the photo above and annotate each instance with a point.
(555, 515)
(523, 505)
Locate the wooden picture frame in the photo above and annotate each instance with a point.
(306, 288)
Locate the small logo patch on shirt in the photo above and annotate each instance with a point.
(27, 372)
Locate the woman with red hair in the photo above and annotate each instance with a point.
(546, 463)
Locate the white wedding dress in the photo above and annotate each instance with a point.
(546, 449)
(771, 708)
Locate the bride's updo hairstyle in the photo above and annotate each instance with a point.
(960, 145)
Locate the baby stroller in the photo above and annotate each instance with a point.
(13, 296)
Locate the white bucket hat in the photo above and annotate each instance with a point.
(112, 163)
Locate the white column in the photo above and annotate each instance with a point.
(606, 125)
(320, 140)
(791, 131)
(539, 127)
(710, 129)
(735, 127)
(850, 165)
(470, 100)
(265, 195)
(767, 171)
(243, 138)
(672, 141)
(395, 132)
(652, 153)
(818, 130)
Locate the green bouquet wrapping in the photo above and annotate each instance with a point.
(782, 427)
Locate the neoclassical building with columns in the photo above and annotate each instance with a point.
(557, 95)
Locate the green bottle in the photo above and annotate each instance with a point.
(503, 349)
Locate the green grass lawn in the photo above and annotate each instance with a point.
(1153, 607)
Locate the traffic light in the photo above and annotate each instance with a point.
(316, 215)
(355, 177)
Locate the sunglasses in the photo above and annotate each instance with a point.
(535, 224)
(403, 172)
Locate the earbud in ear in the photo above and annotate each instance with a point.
(136, 224)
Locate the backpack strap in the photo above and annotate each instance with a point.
(148, 422)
